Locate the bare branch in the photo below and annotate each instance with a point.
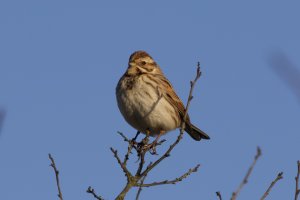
(245, 180)
(56, 176)
(166, 154)
(140, 188)
(126, 157)
(90, 190)
(219, 195)
(130, 183)
(127, 173)
(176, 180)
(123, 136)
(131, 144)
(297, 180)
(141, 164)
(279, 176)
(198, 74)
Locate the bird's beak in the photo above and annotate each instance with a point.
(132, 64)
(131, 68)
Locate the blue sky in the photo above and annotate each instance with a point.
(60, 63)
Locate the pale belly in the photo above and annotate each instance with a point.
(147, 110)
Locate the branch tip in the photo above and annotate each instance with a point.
(56, 176)
(245, 180)
(279, 177)
(219, 195)
(90, 190)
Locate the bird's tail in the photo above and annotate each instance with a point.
(195, 132)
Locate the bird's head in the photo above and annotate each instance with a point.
(140, 62)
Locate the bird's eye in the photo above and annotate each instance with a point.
(143, 63)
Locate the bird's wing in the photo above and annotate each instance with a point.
(170, 95)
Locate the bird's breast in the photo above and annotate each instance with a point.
(142, 103)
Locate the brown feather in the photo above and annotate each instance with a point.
(174, 100)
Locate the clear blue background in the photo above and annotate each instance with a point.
(61, 60)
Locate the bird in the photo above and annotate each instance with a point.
(148, 101)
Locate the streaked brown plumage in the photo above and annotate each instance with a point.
(148, 101)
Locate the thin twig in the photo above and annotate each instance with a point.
(56, 176)
(279, 176)
(92, 191)
(198, 74)
(174, 181)
(166, 154)
(219, 195)
(141, 153)
(126, 157)
(123, 136)
(140, 188)
(245, 180)
(130, 145)
(126, 171)
(297, 180)
(136, 135)
(141, 164)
